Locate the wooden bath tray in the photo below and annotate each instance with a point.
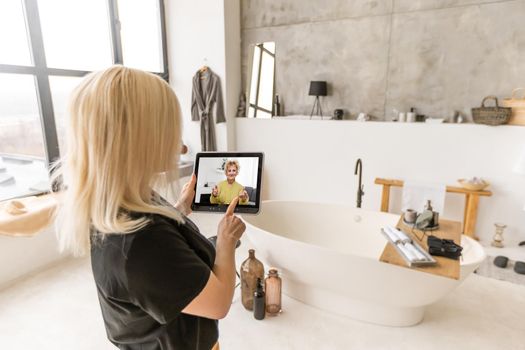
(444, 267)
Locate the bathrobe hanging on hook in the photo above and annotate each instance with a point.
(206, 102)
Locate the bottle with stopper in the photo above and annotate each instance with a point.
(497, 240)
(273, 286)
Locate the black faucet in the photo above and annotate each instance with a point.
(360, 186)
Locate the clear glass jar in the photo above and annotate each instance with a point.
(273, 286)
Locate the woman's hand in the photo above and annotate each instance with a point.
(215, 191)
(243, 195)
(231, 227)
(186, 196)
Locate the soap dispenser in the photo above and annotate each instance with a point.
(251, 270)
(435, 214)
(259, 302)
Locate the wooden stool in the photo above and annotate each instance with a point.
(471, 202)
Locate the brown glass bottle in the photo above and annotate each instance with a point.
(251, 269)
(273, 285)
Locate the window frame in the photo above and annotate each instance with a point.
(42, 72)
(256, 106)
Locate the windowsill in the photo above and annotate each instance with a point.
(26, 217)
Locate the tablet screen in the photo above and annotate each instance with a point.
(221, 176)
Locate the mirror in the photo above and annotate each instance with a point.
(260, 92)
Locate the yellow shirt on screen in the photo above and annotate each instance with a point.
(227, 193)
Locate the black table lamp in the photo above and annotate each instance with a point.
(317, 88)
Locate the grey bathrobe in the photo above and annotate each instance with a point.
(206, 101)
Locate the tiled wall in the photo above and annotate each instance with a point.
(436, 55)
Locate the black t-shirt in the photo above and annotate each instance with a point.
(146, 278)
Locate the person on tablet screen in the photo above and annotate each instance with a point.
(225, 191)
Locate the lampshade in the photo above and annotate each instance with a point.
(317, 88)
(520, 165)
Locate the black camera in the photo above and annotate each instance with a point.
(443, 247)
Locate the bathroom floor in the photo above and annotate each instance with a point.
(58, 309)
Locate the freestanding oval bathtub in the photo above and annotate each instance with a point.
(329, 258)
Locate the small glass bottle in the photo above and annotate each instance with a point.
(497, 240)
(259, 302)
(251, 269)
(272, 287)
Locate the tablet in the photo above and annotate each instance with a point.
(221, 176)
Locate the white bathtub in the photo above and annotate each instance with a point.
(329, 258)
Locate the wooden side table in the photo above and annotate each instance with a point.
(471, 202)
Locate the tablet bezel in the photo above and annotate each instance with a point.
(221, 208)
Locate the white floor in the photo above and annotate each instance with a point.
(58, 309)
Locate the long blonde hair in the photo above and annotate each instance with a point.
(124, 130)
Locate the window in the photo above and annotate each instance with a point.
(61, 88)
(47, 47)
(13, 37)
(86, 44)
(141, 32)
(262, 81)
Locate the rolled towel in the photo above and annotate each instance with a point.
(394, 234)
(408, 254)
(401, 235)
(391, 236)
(416, 252)
(404, 237)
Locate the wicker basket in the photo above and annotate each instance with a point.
(491, 115)
(518, 107)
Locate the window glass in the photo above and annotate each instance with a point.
(270, 46)
(266, 82)
(141, 34)
(262, 81)
(61, 88)
(251, 112)
(14, 46)
(76, 34)
(22, 156)
(255, 74)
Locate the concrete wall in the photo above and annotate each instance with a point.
(204, 32)
(436, 55)
(313, 160)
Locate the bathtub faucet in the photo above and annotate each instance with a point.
(360, 186)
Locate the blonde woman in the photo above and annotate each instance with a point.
(225, 191)
(160, 283)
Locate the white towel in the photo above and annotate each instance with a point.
(417, 253)
(402, 237)
(416, 194)
(392, 236)
(409, 255)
